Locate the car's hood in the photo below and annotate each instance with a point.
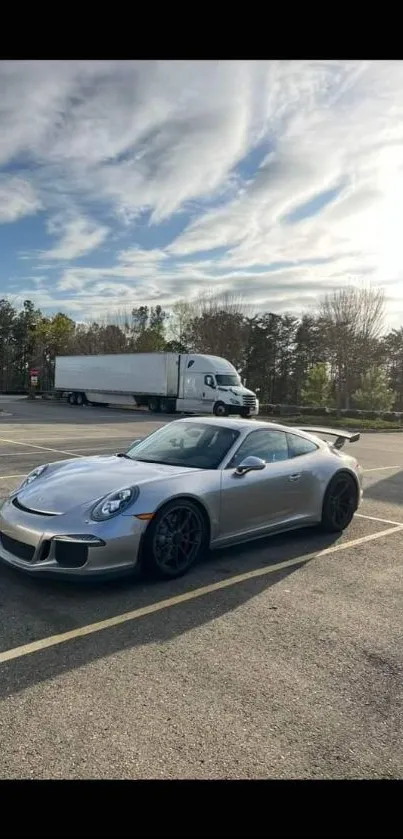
(80, 482)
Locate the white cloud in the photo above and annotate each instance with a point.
(169, 136)
(78, 236)
(17, 199)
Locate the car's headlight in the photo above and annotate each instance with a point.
(114, 503)
(36, 473)
(235, 402)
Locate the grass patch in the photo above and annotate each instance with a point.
(336, 422)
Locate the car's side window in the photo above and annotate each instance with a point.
(270, 446)
(299, 445)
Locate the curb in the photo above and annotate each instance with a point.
(268, 418)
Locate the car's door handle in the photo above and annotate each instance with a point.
(295, 477)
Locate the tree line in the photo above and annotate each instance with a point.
(339, 355)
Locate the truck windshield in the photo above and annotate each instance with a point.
(197, 445)
(229, 380)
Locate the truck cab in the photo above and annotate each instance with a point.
(210, 384)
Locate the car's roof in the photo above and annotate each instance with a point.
(250, 424)
(236, 423)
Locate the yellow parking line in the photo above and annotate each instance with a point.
(6, 477)
(90, 629)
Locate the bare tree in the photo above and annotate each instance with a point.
(219, 326)
(353, 319)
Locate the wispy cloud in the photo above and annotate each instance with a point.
(17, 199)
(77, 237)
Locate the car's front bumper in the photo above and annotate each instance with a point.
(240, 410)
(34, 544)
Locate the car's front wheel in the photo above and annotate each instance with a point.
(175, 540)
(340, 503)
(220, 409)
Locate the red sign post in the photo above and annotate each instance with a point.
(33, 377)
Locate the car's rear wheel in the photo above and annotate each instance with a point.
(340, 503)
(175, 540)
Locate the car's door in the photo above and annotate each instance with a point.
(262, 499)
(303, 454)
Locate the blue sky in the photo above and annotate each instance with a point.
(128, 183)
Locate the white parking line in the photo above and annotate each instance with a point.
(82, 438)
(15, 454)
(374, 518)
(78, 449)
(117, 620)
(41, 448)
(381, 468)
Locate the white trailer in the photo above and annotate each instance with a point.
(163, 382)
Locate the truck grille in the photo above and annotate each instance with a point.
(249, 401)
(18, 549)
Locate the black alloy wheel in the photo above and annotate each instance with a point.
(340, 503)
(175, 539)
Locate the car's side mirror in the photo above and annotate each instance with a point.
(250, 464)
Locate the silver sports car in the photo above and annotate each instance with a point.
(192, 484)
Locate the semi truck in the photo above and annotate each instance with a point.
(162, 382)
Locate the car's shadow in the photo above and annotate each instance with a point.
(31, 609)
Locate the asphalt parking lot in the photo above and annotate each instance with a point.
(245, 668)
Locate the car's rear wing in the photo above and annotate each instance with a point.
(342, 437)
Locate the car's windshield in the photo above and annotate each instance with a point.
(228, 380)
(189, 444)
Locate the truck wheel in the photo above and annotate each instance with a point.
(154, 406)
(80, 399)
(71, 399)
(220, 410)
(167, 406)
